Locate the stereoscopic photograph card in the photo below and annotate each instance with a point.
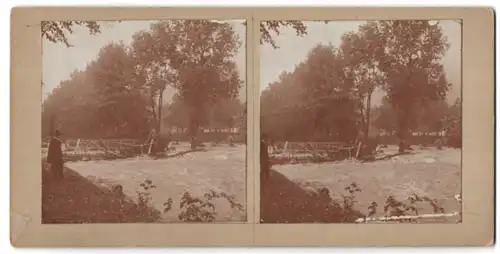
(159, 127)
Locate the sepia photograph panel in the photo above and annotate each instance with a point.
(361, 121)
(144, 121)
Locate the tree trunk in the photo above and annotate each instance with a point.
(153, 108)
(403, 130)
(160, 106)
(193, 128)
(368, 109)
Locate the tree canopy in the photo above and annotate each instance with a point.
(120, 93)
(328, 95)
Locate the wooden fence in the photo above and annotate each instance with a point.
(100, 148)
(283, 152)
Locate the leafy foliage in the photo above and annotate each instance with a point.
(300, 104)
(118, 102)
(203, 210)
(328, 95)
(120, 94)
(412, 50)
(349, 201)
(193, 209)
(167, 206)
(392, 206)
(100, 101)
(361, 50)
(193, 56)
(268, 28)
(144, 195)
(271, 28)
(57, 31)
(152, 71)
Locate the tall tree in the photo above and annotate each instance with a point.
(151, 50)
(314, 102)
(121, 106)
(70, 107)
(201, 54)
(361, 50)
(279, 102)
(412, 52)
(329, 92)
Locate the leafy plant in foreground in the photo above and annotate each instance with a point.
(350, 200)
(203, 210)
(392, 206)
(143, 195)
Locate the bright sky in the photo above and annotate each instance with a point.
(293, 50)
(59, 61)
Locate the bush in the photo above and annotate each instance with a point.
(143, 196)
(203, 210)
(392, 207)
(192, 209)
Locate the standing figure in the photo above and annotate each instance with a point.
(55, 156)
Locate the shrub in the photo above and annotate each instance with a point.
(392, 207)
(143, 195)
(192, 209)
(199, 210)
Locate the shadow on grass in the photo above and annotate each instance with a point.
(76, 199)
(286, 201)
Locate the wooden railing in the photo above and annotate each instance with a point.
(318, 151)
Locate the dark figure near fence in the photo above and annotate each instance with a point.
(264, 159)
(230, 140)
(55, 156)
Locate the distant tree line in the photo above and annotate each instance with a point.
(120, 93)
(328, 95)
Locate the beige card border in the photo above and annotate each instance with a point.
(26, 70)
(478, 144)
(477, 226)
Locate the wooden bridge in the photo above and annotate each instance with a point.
(295, 152)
